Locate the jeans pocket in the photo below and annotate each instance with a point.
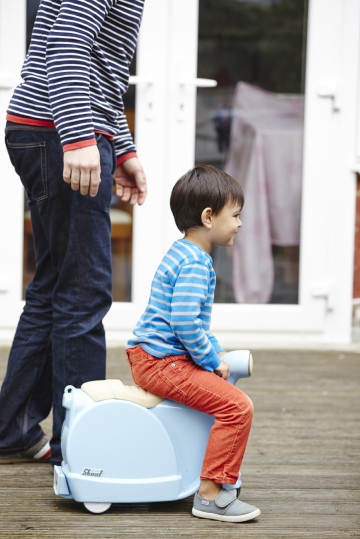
(173, 381)
(30, 163)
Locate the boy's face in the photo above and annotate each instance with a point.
(226, 224)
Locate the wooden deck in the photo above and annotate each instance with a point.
(302, 466)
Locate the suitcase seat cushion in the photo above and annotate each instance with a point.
(100, 390)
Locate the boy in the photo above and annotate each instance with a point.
(173, 353)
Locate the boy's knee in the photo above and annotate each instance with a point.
(250, 408)
(245, 408)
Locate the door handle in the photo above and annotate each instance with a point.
(199, 83)
(194, 83)
(134, 79)
(330, 91)
(182, 84)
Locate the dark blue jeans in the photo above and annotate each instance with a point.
(60, 337)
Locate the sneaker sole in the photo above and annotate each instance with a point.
(226, 518)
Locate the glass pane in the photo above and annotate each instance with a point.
(120, 213)
(251, 125)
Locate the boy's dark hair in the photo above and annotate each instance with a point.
(202, 187)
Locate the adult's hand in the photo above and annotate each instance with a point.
(130, 181)
(82, 169)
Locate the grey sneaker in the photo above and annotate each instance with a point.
(39, 452)
(225, 507)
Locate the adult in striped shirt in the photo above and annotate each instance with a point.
(67, 136)
(172, 352)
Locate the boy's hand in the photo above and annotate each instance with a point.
(223, 370)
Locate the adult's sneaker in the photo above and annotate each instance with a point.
(39, 452)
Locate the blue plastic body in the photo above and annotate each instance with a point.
(116, 451)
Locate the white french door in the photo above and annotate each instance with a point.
(171, 138)
(167, 125)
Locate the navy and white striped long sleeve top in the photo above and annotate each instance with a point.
(77, 70)
(177, 317)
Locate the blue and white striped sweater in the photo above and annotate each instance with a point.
(77, 68)
(178, 315)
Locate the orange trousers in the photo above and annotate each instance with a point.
(180, 379)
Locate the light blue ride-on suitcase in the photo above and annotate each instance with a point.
(122, 444)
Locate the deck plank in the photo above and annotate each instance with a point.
(302, 465)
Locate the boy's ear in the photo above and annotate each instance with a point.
(206, 217)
